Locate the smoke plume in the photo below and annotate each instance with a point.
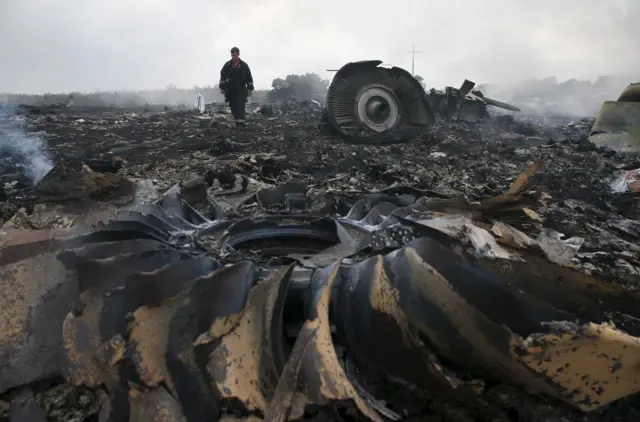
(574, 98)
(22, 152)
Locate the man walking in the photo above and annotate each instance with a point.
(236, 83)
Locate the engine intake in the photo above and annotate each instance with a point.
(369, 103)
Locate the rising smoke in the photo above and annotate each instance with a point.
(549, 97)
(22, 152)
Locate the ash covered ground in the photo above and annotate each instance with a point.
(453, 161)
(470, 160)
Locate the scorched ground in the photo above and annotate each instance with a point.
(172, 267)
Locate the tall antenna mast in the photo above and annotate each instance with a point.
(413, 59)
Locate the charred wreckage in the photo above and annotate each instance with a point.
(371, 103)
(226, 298)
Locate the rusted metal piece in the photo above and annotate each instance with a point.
(35, 295)
(163, 337)
(591, 365)
(250, 353)
(95, 333)
(369, 305)
(167, 333)
(482, 324)
(313, 374)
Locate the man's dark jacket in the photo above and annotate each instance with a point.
(235, 80)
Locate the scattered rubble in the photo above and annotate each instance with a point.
(167, 268)
(371, 103)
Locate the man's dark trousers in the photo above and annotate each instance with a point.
(237, 106)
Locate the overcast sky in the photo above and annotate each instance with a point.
(86, 45)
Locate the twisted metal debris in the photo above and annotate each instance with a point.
(368, 103)
(617, 125)
(464, 103)
(375, 104)
(397, 287)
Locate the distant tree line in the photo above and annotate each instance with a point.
(292, 87)
(122, 98)
(298, 88)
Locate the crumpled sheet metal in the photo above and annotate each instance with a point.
(476, 320)
(148, 331)
(617, 125)
(95, 275)
(453, 303)
(250, 353)
(129, 310)
(313, 374)
(464, 103)
(99, 320)
(36, 293)
(162, 337)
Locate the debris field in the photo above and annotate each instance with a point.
(171, 267)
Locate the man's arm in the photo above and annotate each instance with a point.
(248, 78)
(224, 76)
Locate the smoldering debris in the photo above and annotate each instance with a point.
(26, 153)
(135, 310)
(464, 103)
(371, 103)
(483, 271)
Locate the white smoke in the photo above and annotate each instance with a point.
(28, 153)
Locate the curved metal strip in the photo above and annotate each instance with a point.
(162, 338)
(449, 303)
(95, 332)
(250, 352)
(313, 374)
(35, 295)
(316, 234)
(378, 332)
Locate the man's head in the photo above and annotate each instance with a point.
(235, 53)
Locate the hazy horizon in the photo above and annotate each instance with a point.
(87, 46)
